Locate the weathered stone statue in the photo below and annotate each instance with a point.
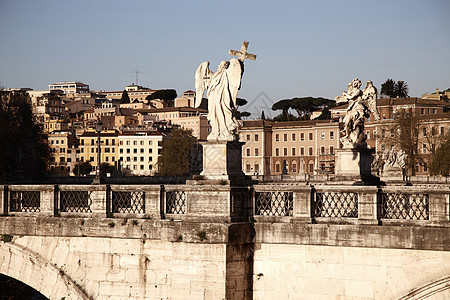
(222, 92)
(360, 104)
(394, 159)
(222, 153)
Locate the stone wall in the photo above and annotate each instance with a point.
(284, 271)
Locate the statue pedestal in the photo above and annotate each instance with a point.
(354, 164)
(222, 160)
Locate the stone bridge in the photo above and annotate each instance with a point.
(216, 240)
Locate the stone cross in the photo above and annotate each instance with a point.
(242, 55)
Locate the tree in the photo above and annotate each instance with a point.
(106, 168)
(304, 106)
(387, 88)
(82, 168)
(238, 114)
(401, 89)
(404, 133)
(440, 164)
(284, 105)
(179, 154)
(166, 95)
(125, 98)
(263, 115)
(24, 150)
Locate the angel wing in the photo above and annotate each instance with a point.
(234, 74)
(202, 79)
(370, 94)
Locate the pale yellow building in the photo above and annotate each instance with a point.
(139, 151)
(109, 147)
(63, 150)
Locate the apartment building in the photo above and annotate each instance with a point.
(139, 151)
(194, 119)
(64, 151)
(299, 147)
(257, 151)
(71, 88)
(108, 144)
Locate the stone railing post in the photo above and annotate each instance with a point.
(439, 206)
(368, 205)
(98, 196)
(161, 202)
(4, 202)
(47, 199)
(302, 203)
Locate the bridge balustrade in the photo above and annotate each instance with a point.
(267, 202)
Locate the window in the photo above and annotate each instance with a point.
(322, 150)
(107, 142)
(134, 143)
(442, 130)
(256, 152)
(294, 167)
(107, 150)
(248, 137)
(277, 167)
(383, 133)
(256, 168)
(92, 150)
(135, 151)
(134, 167)
(142, 144)
(69, 159)
(247, 168)
(113, 142)
(322, 135)
(311, 167)
(310, 151)
(277, 152)
(293, 137)
(302, 150)
(293, 151)
(425, 167)
(128, 151)
(424, 132)
(135, 158)
(142, 150)
(150, 158)
(248, 151)
(62, 150)
(142, 167)
(433, 131)
(331, 150)
(120, 143)
(424, 148)
(368, 134)
(128, 158)
(150, 143)
(107, 158)
(141, 158)
(285, 137)
(256, 137)
(277, 137)
(302, 136)
(310, 136)
(331, 135)
(285, 152)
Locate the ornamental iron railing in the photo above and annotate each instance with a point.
(274, 203)
(75, 201)
(128, 202)
(335, 205)
(175, 202)
(405, 206)
(25, 201)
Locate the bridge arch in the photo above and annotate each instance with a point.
(439, 289)
(28, 267)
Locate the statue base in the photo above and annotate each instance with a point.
(355, 165)
(222, 160)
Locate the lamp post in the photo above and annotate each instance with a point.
(98, 128)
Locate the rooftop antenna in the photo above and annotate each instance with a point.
(136, 71)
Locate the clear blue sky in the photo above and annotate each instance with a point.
(304, 48)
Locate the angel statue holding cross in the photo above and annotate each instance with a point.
(222, 88)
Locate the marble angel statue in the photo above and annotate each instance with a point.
(222, 88)
(360, 105)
